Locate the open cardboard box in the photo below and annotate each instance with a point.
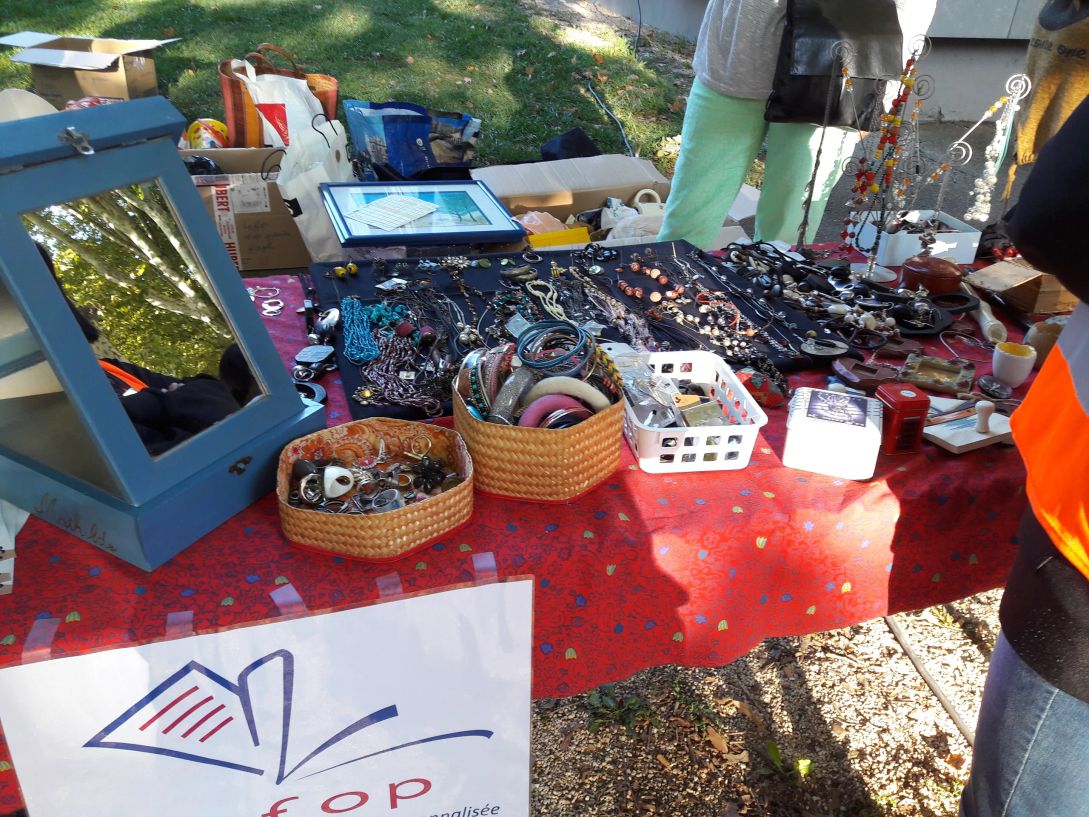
(68, 68)
(570, 186)
(1025, 287)
(256, 227)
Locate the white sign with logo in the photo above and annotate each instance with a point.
(416, 707)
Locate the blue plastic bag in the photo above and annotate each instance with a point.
(407, 138)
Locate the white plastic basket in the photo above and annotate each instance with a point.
(700, 448)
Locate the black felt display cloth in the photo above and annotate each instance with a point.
(332, 290)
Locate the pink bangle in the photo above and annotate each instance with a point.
(543, 406)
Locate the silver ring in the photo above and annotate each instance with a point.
(387, 500)
(531, 258)
(310, 493)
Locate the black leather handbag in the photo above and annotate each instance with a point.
(808, 85)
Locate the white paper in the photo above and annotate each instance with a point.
(420, 706)
(392, 212)
(248, 193)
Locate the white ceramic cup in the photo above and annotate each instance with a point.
(1012, 363)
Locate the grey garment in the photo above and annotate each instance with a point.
(738, 46)
(738, 43)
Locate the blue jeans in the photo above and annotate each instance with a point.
(1031, 755)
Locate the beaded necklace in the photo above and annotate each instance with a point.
(393, 377)
(631, 325)
(467, 333)
(359, 345)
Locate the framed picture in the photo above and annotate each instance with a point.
(441, 212)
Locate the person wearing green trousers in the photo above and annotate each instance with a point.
(720, 138)
(724, 129)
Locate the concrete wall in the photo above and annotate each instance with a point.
(986, 19)
(680, 17)
(977, 45)
(969, 75)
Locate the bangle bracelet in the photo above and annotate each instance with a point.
(571, 387)
(545, 405)
(510, 396)
(532, 342)
(565, 418)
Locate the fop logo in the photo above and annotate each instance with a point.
(410, 706)
(198, 716)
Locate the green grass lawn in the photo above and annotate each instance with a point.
(523, 75)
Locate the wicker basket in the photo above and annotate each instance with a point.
(542, 464)
(378, 536)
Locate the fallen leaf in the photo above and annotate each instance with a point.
(678, 105)
(738, 758)
(428, 37)
(804, 765)
(955, 760)
(838, 729)
(601, 78)
(410, 59)
(716, 740)
(664, 761)
(529, 71)
(169, 32)
(598, 59)
(470, 68)
(745, 710)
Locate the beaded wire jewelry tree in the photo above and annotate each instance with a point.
(891, 165)
(959, 154)
(1017, 88)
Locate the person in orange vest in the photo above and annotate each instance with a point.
(1032, 741)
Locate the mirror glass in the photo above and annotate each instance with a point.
(37, 420)
(148, 311)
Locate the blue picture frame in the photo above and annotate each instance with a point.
(468, 213)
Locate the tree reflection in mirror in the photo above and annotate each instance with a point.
(147, 308)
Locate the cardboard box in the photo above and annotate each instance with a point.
(570, 186)
(67, 68)
(1024, 287)
(959, 243)
(256, 227)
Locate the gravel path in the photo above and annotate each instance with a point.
(832, 723)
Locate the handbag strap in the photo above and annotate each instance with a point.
(275, 49)
(250, 74)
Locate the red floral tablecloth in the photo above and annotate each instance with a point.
(647, 569)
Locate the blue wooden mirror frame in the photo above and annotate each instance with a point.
(133, 142)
